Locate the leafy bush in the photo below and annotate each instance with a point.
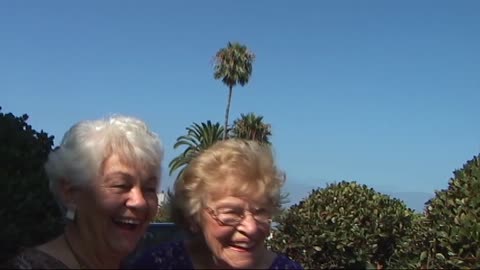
(453, 219)
(29, 213)
(344, 225)
(409, 253)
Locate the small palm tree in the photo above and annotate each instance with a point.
(164, 213)
(252, 127)
(198, 138)
(233, 65)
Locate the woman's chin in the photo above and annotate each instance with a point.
(241, 258)
(125, 243)
(123, 248)
(127, 237)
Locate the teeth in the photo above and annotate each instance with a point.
(243, 245)
(128, 221)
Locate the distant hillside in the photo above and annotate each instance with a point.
(413, 200)
(300, 190)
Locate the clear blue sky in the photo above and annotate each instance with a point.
(382, 92)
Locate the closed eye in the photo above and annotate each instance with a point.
(121, 186)
(230, 211)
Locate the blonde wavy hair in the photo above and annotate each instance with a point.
(231, 167)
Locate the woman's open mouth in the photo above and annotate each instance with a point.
(127, 223)
(243, 247)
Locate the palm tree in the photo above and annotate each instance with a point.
(233, 65)
(164, 213)
(252, 127)
(198, 138)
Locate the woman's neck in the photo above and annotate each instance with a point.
(202, 258)
(88, 253)
(198, 253)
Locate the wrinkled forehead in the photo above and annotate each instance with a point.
(236, 191)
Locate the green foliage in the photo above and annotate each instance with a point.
(199, 137)
(344, 225)
(29, 213)
(453, 219)
(251, 127)
(233, 64)
(164, 209)
(411, 253)
(203, 135)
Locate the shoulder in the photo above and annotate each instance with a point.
(170, 255)
(171, 250)
(33, 258)
(283, 262)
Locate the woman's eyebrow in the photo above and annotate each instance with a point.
(122, 175)
(229, 205)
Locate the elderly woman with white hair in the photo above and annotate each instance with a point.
(104, 175)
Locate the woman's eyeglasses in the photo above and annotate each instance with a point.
(233, 217)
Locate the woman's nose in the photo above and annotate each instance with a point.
(248, 225)
(136, 199)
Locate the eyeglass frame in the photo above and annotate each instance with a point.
(214, 215)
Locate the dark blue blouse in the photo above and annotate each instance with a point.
(173, 255)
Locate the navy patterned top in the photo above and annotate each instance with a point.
(173, 255)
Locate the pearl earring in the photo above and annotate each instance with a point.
(70, 214)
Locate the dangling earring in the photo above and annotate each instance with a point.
(71, 211)
(194, 228)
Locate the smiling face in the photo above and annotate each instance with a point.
(240, 246)
(117, 207)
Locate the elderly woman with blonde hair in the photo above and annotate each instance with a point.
(225, 200)
(104, 175)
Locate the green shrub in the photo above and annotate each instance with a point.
(409, 253)
(29, 214)
(344, 225)
(453, 219)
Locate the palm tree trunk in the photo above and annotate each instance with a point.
(225, 130)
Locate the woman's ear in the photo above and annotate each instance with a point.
(67, 191)
(194, 226)
(67, 196)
